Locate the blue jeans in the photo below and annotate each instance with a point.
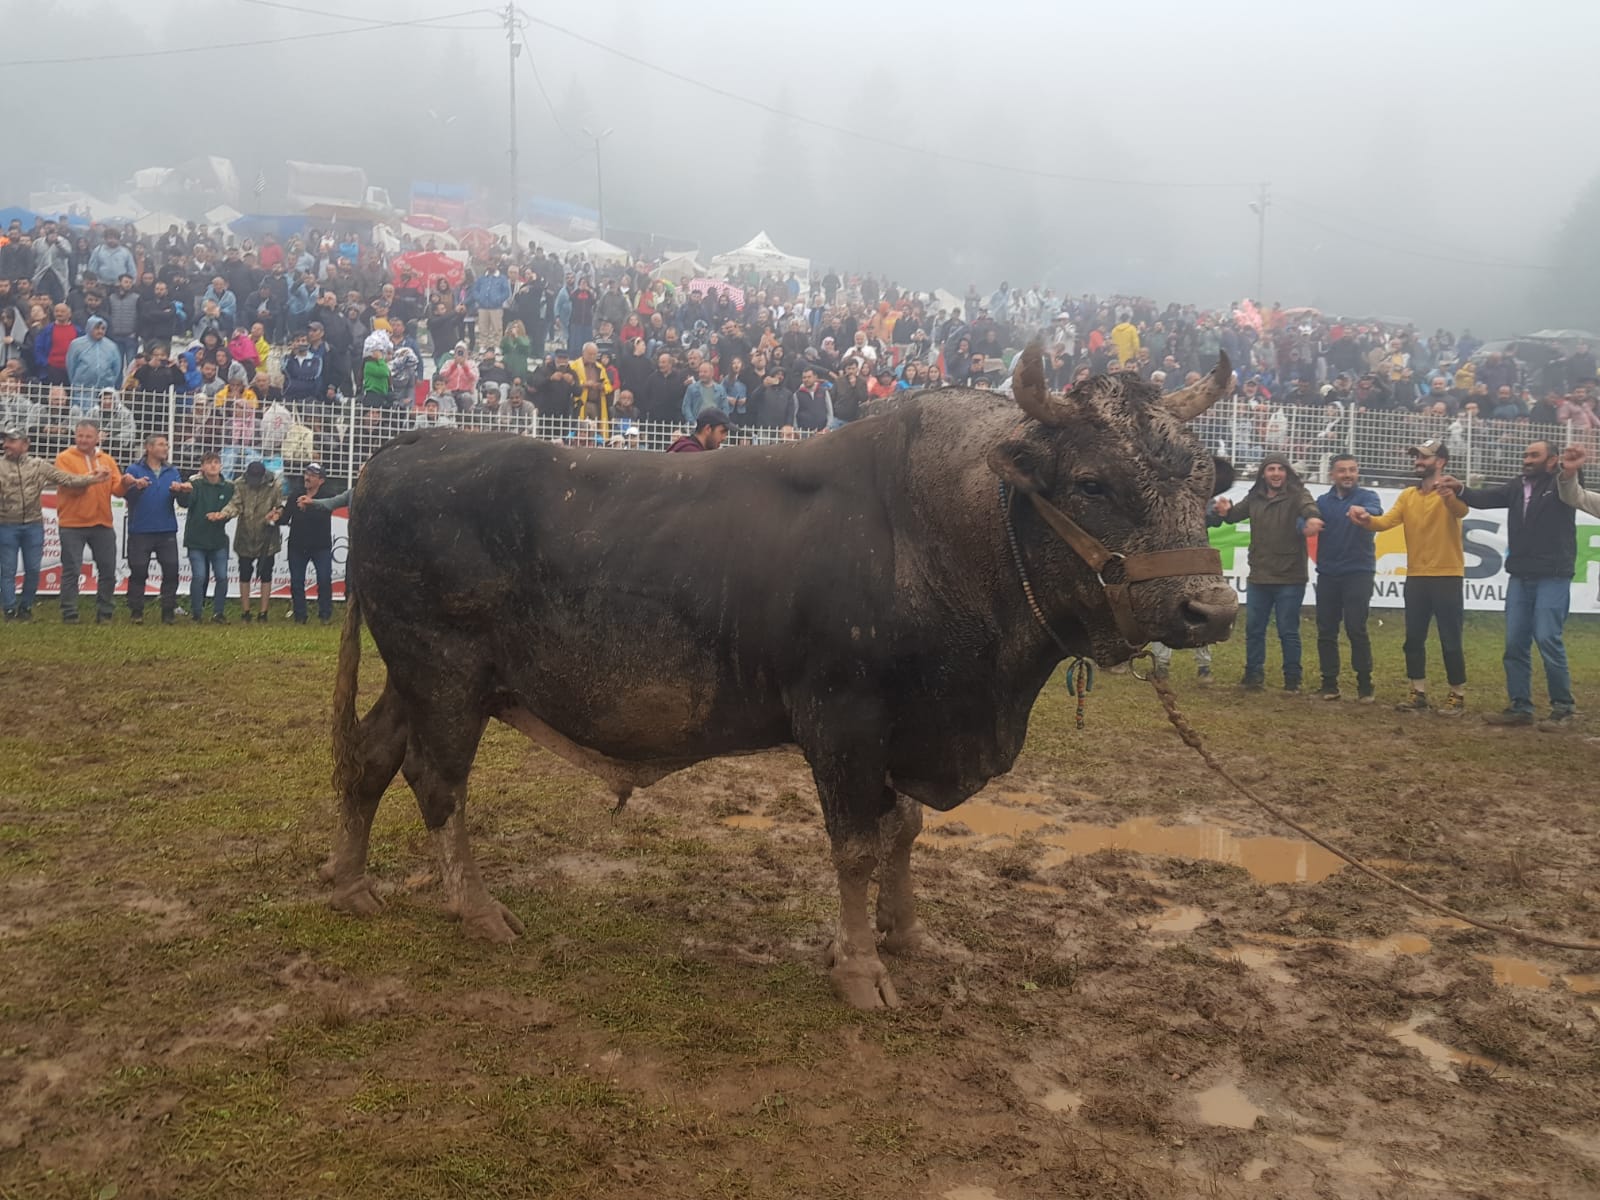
(1536, 610)
(28, 541)
(204, 565)
(1265, 602)
(323, 561)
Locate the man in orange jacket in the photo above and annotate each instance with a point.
(83, 519)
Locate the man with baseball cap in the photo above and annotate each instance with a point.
(310, 544)
(710, 431)
(1430, 514)
(22, 482)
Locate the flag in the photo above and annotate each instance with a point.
(261, 183)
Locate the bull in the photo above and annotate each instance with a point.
(890, 598)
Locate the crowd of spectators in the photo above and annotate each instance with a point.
(317, 348)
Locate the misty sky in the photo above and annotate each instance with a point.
(1388, 131)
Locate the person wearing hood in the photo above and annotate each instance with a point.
(1281, 514)
(93, 362)
(256, 503)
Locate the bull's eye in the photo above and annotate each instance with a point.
(1091, 487)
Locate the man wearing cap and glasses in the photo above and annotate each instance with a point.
(23, 479)
(1430, 513)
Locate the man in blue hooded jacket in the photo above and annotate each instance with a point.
(94, 361)
(1346, 565)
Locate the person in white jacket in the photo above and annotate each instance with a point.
(1567, 486)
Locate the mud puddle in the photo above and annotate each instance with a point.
(1443, 1059)
(747, 821)
(1225, 1105)
(1267, 859)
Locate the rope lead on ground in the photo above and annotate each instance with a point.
(1191, 737)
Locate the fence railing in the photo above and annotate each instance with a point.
(342, 434)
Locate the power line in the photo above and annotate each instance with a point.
(527, 49)
(1408, 252)
(1352, 219)
(253, 43)
(861, 135)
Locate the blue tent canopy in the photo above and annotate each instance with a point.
(16, 213)
(258, 226)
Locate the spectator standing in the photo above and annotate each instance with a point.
(1435, 574)
(93, 362)
(1281, 514)
(122, 315)
(703, 393)
(1347, 564)
(50, 347)
(205, 537)
(23, 479)
(1541, 540)
(111, 260)
(150, 487)
(255, 507)
(594, 386)
(310, 544)
(83, 521)
(491, 291)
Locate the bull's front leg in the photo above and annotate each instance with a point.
(859, 976)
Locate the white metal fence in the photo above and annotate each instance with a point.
(1479, 448)
(342, 434)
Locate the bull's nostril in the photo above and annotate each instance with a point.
(1209, 616)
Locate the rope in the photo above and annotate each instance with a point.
(1027, 584)
(1080, 679)
(1192, 738)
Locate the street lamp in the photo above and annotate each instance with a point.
(599, 181)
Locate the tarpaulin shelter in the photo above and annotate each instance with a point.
(762, 255)
(259, 226)
(154, 224)
(598, 250)
(17, 213)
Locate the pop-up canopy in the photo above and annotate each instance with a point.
(760, 254)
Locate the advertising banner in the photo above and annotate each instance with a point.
(1483, 535)
(50, 572)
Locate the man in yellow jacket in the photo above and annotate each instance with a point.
(1125, 337)
(1435, 572)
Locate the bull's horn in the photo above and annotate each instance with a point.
(1029, 391)
(1188, 403)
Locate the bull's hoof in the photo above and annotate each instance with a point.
(863, 982)
(359, 898)
(914, 941)
(493, 923)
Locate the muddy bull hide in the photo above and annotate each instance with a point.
(855, 596)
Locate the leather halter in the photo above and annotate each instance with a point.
(1125, 569)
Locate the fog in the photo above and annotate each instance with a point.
(1422, 158)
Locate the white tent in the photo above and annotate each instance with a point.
(539, 236)
(678, 266)
(222, 214)
(598, 250)
(154, 224)
(760, 254)
(948, 301)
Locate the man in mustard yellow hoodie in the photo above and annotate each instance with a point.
(1435, 571)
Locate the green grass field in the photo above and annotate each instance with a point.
(182, 1015)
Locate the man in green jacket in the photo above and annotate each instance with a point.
(205, 537)
(256, 505)
(1281, 513)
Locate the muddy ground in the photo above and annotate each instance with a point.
(1156, 993)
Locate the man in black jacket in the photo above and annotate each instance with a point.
(661, 396)
(310, 542)
(1541, 538)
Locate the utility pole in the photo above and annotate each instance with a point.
(515, 48)
(599, 179)
(1259, 206)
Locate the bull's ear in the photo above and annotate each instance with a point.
(1224, 479)
(1022, 464)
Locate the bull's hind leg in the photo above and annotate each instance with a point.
(381, 736)
(436, 766)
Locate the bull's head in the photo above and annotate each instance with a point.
(1117, 459)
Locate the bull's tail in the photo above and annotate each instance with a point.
(346, 753)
